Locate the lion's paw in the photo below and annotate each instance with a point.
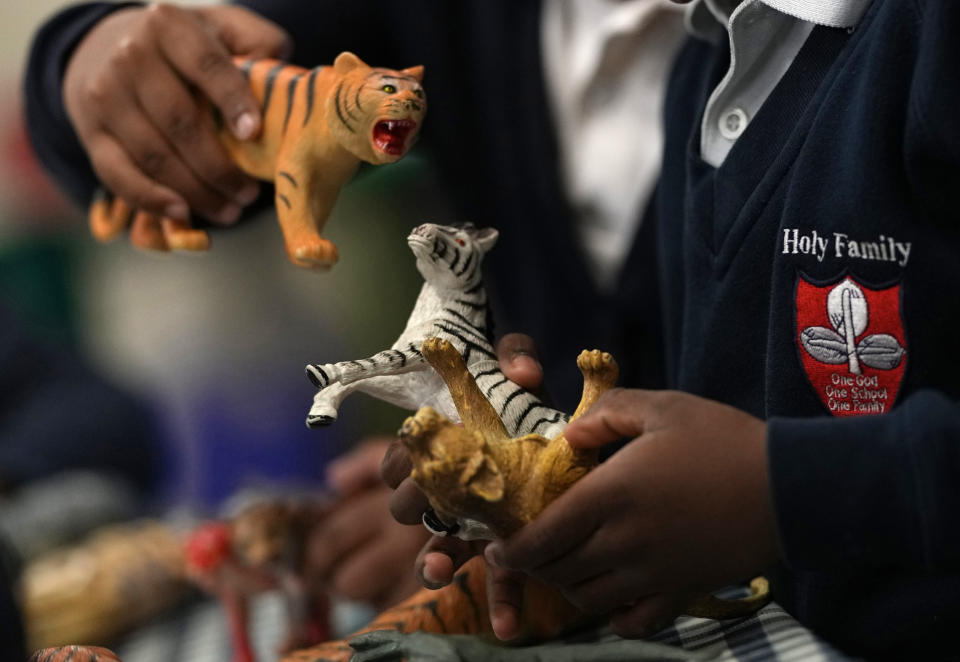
(596, 363)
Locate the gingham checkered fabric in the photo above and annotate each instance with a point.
(770, 635)
(198, 634)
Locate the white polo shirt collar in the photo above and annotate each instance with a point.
(704, 17)
(831, 13)
(765, 37)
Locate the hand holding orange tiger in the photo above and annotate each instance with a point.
(172, 124)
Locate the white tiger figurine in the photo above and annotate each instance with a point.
(452, 305)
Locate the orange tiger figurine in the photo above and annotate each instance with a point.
(318, 125)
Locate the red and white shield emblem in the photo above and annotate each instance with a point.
(851, 344)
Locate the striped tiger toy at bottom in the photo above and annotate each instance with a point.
(318, 125)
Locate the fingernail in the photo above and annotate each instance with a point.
(523, 354)
(229, 214)
(177, 210)
(500, 627)
(245, 126)
(431, 580)
(248, 194)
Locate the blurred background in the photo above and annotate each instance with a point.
(206, 351)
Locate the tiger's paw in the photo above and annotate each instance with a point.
(181, 237)
(146, 233)
(322, 375)
(313, 253)
(108, 216)
(315, 421)
(322, 413)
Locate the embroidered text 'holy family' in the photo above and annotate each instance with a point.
(884, 249)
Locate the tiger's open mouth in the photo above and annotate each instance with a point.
(390, 136)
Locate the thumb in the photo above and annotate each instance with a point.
(517, 355)
(617, 413)
(440, 558)
(246, 33)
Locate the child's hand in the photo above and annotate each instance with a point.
(681, 510)
(135, 88)
(358, 550)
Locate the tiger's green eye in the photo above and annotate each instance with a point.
(389, 89)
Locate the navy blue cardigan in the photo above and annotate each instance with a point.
(810, 277)
(814, 276)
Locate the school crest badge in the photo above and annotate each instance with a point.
(851, 344)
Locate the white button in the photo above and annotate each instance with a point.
(732, 123)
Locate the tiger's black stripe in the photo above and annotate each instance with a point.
(465, 320)
(476, 305)
(466, 264)
(431, 605)
(476, 288)
(336, 103)
(285, 200)
(356, 99)
(493, 387)
(468, 327)
(290, 178)
(268, 90)
(461, 582)
(246, 67)
(311, 85)
(556, 418)
(403, 357)
(529, 410)
(456, 258)
(326, 377)
(490, 371)
(506, 403)
(291, 89)
(470, 345)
